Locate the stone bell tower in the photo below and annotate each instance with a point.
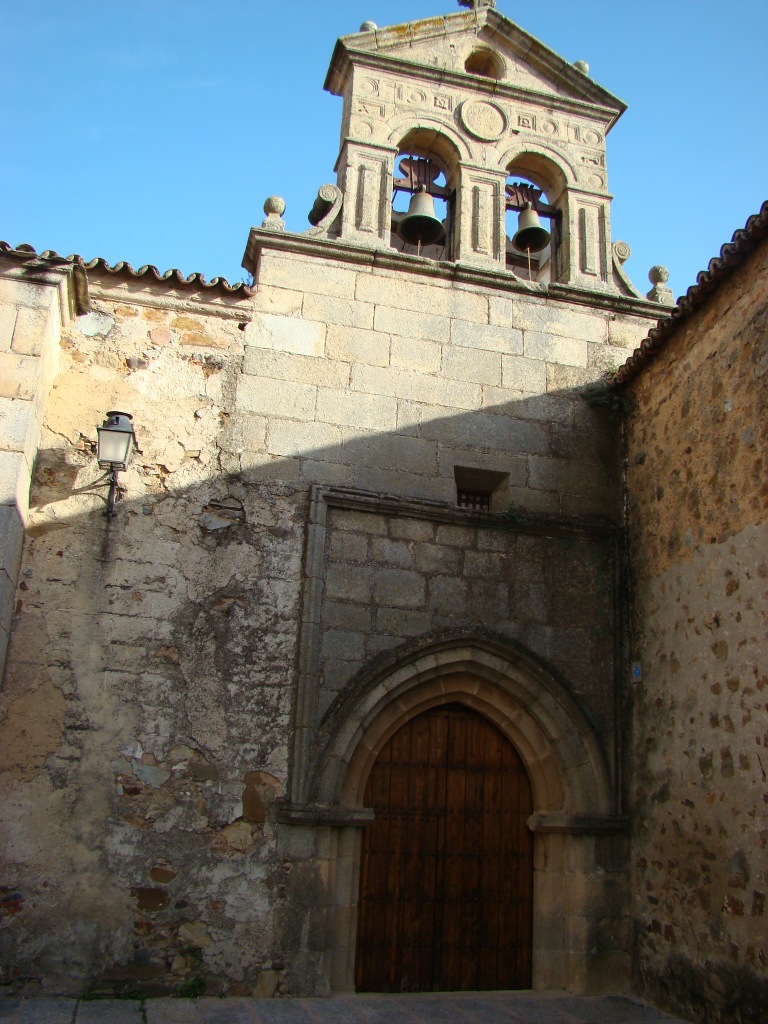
(484, 101)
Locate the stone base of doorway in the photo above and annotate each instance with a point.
(422, 1008)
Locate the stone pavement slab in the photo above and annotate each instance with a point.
(452, 1008)
(233, 1011)
(115, 1011)
(37, 1011)
(374, 1009)
(426, 1008)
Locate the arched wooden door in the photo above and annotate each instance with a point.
(446, 879)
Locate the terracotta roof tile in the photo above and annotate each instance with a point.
(707, 281)
(174, 278)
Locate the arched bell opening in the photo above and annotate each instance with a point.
(423, 195)
(529, 229)
(533, 217)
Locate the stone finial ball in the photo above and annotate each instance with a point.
(582, 66)
(368, 26)
(275, 204)
(658, 275)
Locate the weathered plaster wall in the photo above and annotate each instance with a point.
(698, 436)
(147, 706)
(145, 719)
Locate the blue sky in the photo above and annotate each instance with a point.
(152, 131)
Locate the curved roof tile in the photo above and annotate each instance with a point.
(707, 281)
(173, 277)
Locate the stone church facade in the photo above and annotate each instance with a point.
(399, 549)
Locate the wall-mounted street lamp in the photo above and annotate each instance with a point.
(115, 447)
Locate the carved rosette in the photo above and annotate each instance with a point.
(483, 119)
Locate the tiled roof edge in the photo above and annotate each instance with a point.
(173, 277)
(707, 281)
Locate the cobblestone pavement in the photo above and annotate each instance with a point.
(452, 1008)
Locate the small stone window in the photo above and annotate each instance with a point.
(481, 490)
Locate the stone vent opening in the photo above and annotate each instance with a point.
(484, 63)
(481, 490)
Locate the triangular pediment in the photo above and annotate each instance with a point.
(441, 46)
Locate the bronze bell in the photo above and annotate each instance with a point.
(420, 226)
(530, 235)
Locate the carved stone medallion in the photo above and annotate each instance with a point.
(484, 120)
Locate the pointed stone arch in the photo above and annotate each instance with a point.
(577, 897)
(502, 681)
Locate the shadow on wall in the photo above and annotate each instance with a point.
(150, 684)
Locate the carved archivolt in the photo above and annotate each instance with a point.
(552, 163)
(443, 138)
(502, 681)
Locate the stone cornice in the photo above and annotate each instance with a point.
(385, 258)
(159, 295)
(389, 505)
(578, 824)
(71, 287)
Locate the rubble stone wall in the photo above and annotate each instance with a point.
(698, 436)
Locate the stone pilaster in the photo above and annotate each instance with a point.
(35, 301)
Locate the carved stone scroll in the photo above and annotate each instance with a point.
(621, 252)
(325, 210)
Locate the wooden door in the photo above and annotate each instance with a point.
(446, 879)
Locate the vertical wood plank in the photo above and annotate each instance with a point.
(432, 937)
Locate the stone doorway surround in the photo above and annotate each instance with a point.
(580, 935)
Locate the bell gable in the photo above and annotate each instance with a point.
(477, 46)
